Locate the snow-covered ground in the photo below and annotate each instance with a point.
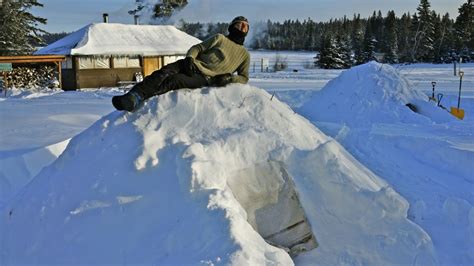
(379, 184)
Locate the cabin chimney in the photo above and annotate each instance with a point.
(106, 17)
(136, 19)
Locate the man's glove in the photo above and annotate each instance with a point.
(222, 80)
(188, 67)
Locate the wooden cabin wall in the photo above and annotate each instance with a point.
(95, 78)
(77, 78)
(102, 77)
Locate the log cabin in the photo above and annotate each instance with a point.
(108, 54)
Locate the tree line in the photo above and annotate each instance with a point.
(425, 36)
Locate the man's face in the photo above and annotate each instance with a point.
(242, 26)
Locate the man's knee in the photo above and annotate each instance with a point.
(180, 81)
(170, 83)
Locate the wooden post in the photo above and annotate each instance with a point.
(77, 70)
(4, 68)
(111, 62)
(5, 82)
(60, 79)
(454, 63)
(60, 75)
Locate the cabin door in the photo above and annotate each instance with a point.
(150, 64)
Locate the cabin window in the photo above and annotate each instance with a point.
(133, 62)
(126, 62)
(94, 62)
(67, 64)
(171, 59)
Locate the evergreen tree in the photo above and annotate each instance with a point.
(345, 29)
(357, 37)
(424, 36)
(464, 27)
(309, 35)
(369, 49)
(436, 19)
(268, 41)
(166, 8)
(18, 27)
(404, 38)
(214, 28)
(160, 11)
(443, 28)
(391, 39)
(329, 56)
(447, 41)
(343, 44)
(368, 52)
(297, 40)
(408, 29)
(378, 29)
(194, 29)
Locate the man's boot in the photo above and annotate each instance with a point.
(128, 102)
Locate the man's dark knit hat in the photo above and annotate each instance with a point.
(239, 19)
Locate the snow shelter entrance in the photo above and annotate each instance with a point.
(267, 193)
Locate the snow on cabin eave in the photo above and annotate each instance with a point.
(115, 39)
(132, 54)
(65, 45)
(145, 40)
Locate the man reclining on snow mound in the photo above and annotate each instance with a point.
(210, 63)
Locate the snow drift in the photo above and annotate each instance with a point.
(427, 155)
(18, 170)
(181, 182)
(371, 93)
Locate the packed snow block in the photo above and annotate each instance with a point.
(268, 195)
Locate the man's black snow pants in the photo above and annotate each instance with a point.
(170, 77)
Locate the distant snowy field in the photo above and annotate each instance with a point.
(312, 79)
(430, 164)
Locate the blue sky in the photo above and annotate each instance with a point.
(68, 15)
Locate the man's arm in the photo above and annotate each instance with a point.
(242, 72)
(241, 77)
(194, 51)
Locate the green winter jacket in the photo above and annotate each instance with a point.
(219, 55)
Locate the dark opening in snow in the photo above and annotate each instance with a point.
(267, 193)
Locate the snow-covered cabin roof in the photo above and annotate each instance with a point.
(123, 39)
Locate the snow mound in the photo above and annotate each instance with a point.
(174, 184)
(371, 93)
(18, 168)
